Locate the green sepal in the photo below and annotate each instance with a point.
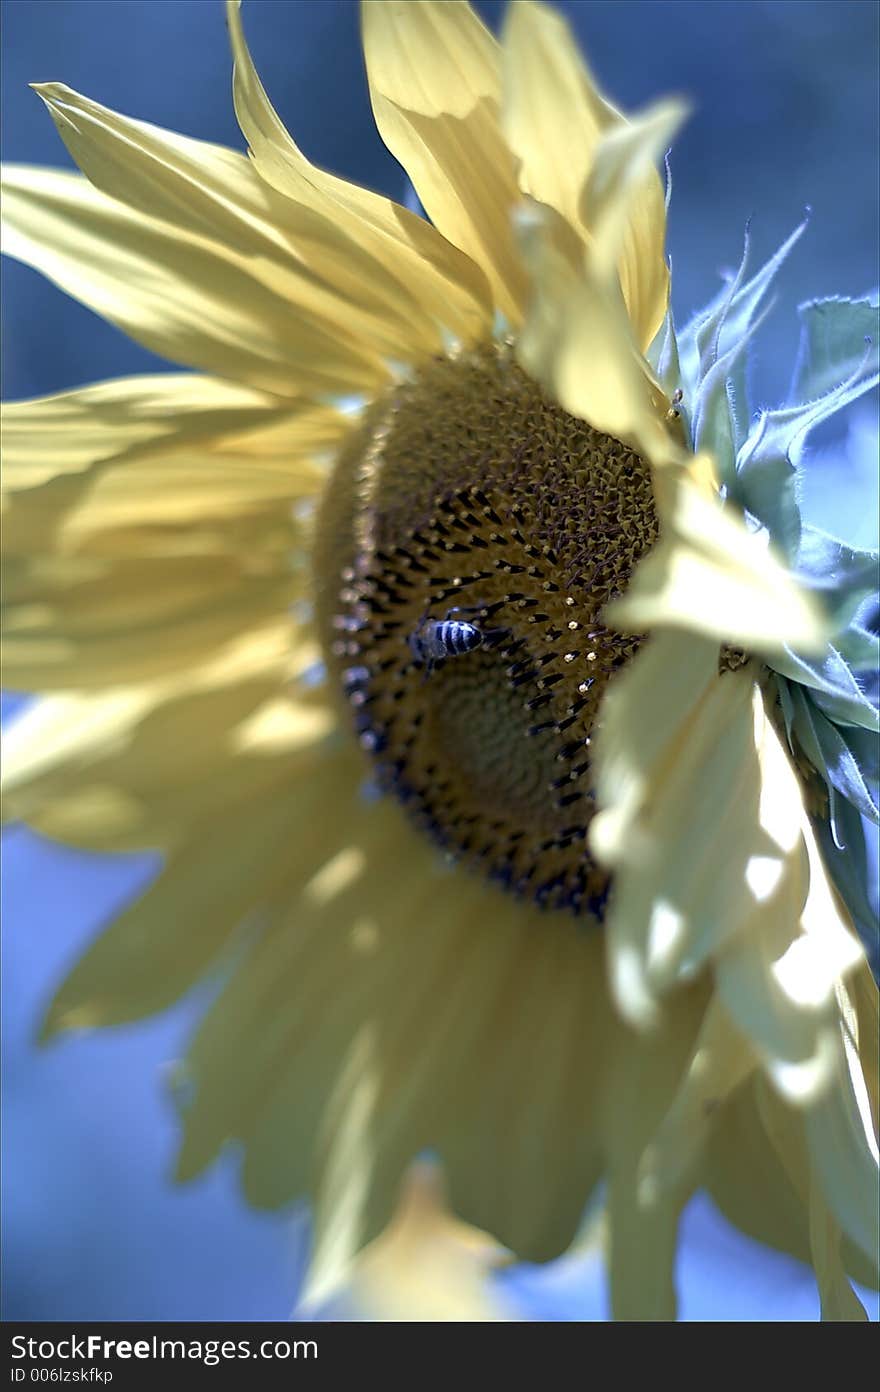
(845, 756)
(832, 685)
(840, 338)
(845, 575)
(720, 334)
(663, 359)
(717, 412)
(833, 350)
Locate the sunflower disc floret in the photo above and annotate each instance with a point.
(462, 613)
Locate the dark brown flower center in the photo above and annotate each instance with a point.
(468, 542)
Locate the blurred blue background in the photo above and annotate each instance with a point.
(786, 115)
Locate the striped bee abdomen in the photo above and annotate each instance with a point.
(433, 640)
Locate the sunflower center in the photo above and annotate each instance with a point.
(468, 541)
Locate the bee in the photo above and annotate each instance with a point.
(433, 640)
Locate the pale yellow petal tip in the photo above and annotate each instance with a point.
(626, 156)
(55, 96)
(234, 23)
(839, 1302)
(529, 22)
(426, 1265)
(61, 1019)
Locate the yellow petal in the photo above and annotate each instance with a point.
(577, 340)
(643, 1076)
(553, 113)
(204, 189)
(623, 209)
(498, 1077)
(843, 1144)
(715, 861)
(746, 1178)
(721, 1060)
(435, 87)
(815, 1172)
(780, 977)
(138, 537)
(756, 1167)
(235, 863)
(210, 192)
(582, 158)
(158, 619)
(709, 575)
(431, 272)
(194, 491)
(148, 483)
(648, 771)
(67, 433)
(178, 294)
(135, 767)
(865, 997)
(839, 1301)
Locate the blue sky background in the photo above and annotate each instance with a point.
(785, 116)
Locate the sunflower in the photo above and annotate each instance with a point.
(350, 624)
